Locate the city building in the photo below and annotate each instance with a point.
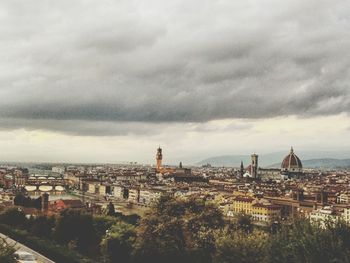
(323, 216)
(159, 158)
(241, 170)
(61, 204)
(118, 192)
(104, 189)
(266, 212)
(254, 166)
(58, 169)
(346, 215)
(243, 204)
(149, 196)
(291, 166)
(92, 188)
(343, 198)
(134, 195)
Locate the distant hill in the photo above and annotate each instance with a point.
(235, 160)
(225, 160)
(309, 160)
(328, 163)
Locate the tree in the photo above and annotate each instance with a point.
(36, 203)
(26, 201)
(241, 247)
(244, 222)
(19, 200)
(178, 231)
(6, 252)
(130, 219)
(76, 226)
(103, 223)
(13, 217)
(305, 242)
(42, 226)
(110, 209)
(118, 243)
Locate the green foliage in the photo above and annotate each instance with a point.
(13, 217)
(178, 231)
(6, 252)
(46, 247)
(241, 247)
(117, 246)
(26, 201)
(77, 226)
(110, 209)
(103, 223)
(298, 242)
(42, 226)
(130, 219)
(74, 228)
(304, 242)
(244, 222)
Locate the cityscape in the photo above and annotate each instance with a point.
(268, 196)
(184, 131)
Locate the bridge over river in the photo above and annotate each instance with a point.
(46, 184)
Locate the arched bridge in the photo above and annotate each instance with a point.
(45, 184)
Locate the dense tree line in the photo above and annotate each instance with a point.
(193, 231)
(176, 230)
(74, 229)
(26, 201)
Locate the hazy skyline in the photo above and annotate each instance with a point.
(108, 81)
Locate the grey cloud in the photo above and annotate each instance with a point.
(82, 128)
(188, 61)
(205, 127)
(127, 37)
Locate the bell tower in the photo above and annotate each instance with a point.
(254, 169)
(241, 170)
(159, 158)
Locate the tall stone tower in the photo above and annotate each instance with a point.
(241, 170)
(254, 169)
(159, 158)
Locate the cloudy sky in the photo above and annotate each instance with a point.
(109, 81)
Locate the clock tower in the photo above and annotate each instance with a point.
(159, 158)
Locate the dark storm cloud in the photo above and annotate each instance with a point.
(184, 61)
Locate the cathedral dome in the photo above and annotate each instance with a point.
(291, 163)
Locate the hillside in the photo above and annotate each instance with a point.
(275, 159)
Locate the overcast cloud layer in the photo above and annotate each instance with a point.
(170, 61)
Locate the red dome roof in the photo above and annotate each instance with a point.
(291, 162)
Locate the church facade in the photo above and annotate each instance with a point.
(291, 167)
